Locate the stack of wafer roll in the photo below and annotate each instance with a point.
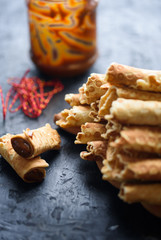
(22, 151)
(84, 105)
(122, 130)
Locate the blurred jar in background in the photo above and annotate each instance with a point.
(63, 35)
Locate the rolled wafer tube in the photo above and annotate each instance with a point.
(130, 165)
(141, 192)
(111, 165)
(34, 142)
(128, 93)
(30, 170)
(92, 90)
(147, 170)
(113, 129)
(108, 173)
(94, 112)
(106, 101)
(100, 166)
(74, 117)
(127, 111)
(96, 150)
(73, 99)
(144, 139)
(90, 132)
(72, 130)
(122, 75)
(83, 99)
(133, 156)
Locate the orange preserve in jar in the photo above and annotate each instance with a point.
(63, 35)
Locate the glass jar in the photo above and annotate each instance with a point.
(63, 35)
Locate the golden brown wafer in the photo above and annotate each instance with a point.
(72, 130)
(73, 99)
(128, 93)
(144, 139)
(113, 129)
(90, 132)
(141, 192)
(92, 91)
(74, 117)
(106, 101)
(112, 167)
(96, 150)
(128, 111)
(146, 170)
(82, 95)
(30, 170)
(94, 112)
(122, 75)
(34, 142)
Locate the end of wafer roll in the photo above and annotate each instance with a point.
(72, 130)
(73, 99)
(90, 132)
(34, 142)
(35, 173)
(30, 171)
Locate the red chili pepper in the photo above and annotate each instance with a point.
(30, 91)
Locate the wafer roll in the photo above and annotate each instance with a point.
(105, 86)
(94, 112)
(106, 101)
(137, 112)
(144, 139)
(90, 132)
(143, 192)
(122, 75)
(128, 93)
(123, 165)
(30, 170)
(111, 165)
(113, 129)
(92, 91)
(72, 130)
(82, 95)
(34, 142)
(109, 174)
(127, 156)
(74, 117)
(147, 170)
(114, 183)
(73, 99)
(96, 150)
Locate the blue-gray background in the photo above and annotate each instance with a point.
(73, 202)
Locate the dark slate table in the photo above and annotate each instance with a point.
(73, 202)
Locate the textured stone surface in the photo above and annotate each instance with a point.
(73, 202)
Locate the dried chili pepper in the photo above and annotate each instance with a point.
(31, 93)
